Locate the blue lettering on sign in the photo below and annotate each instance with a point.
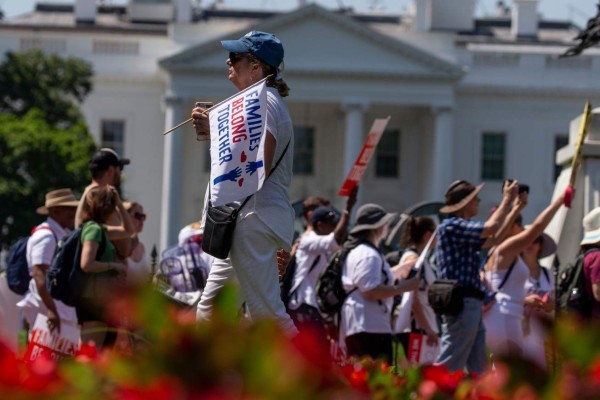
(224, 148)
(255, 123)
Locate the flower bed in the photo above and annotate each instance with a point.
(175, 358)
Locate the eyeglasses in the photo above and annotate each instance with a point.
(139, 216)
(235, 57)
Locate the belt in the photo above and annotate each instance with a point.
(472, 292)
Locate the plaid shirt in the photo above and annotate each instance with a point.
(457, 252)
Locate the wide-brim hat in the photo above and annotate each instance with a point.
(371, 216)
(58, 198)
(458, 195)
(548, 245)
(591, 227)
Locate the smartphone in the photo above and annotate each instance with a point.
(523, 188)
(204, 104)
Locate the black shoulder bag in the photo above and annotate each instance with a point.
(220, 223)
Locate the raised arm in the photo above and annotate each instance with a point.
(341, 230)
(495, 221)
(511, 247)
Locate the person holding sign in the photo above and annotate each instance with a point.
(265, 223)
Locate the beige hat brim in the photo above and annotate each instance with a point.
(452, 208)
(43, 210)
(591, 237)
(363, 227)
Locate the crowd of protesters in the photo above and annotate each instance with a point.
(502, 295)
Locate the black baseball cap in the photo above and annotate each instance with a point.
(325, 214)
(105, 158)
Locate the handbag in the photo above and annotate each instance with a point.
(220, 223)
(445, 297)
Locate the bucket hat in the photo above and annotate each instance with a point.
(58, 198)
(591, 227)
(458, 195)
(371, 216)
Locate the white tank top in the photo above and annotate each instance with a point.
(511, 297)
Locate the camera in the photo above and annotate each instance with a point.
(523, 188)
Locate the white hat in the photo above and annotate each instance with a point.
(190, 230)
(591, 227)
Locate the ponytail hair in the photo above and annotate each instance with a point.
(275, 76)
(415, 230)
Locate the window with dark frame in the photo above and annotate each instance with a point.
(560, 141)
(304, 149)
(112, 134)
(387, 155)
(493, 154)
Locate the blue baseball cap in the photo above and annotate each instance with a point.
(325, 214)
(265, 46)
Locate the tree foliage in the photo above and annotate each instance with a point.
(36, 158)
(44, 142)
(53, 84)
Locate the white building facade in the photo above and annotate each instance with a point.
(474, 99)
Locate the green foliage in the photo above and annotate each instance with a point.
(37, 157)
(50, 83)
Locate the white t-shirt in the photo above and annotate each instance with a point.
(364, 271)
(272, 203)
(310, 247)
(40, 251)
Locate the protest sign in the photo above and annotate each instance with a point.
(43, 342)
(358, 169)
(419, 352)
(237, 128)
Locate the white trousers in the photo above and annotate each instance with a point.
(252, 263)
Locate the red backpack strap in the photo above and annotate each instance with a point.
(36, 228)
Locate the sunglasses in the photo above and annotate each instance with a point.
(139, 216)
(235, 57)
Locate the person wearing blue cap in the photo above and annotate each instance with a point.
(266, 223)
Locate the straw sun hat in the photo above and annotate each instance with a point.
(58, 198)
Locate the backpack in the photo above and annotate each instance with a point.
(330, 292)
(17, 268)
(572, 295)
(65, 279)
(285, 285)
(181, 265)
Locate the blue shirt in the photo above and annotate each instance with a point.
(457, 252)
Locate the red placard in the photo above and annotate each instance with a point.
(358, 169)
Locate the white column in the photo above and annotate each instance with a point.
(443, 143)
(172, 167)
(354, 136)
